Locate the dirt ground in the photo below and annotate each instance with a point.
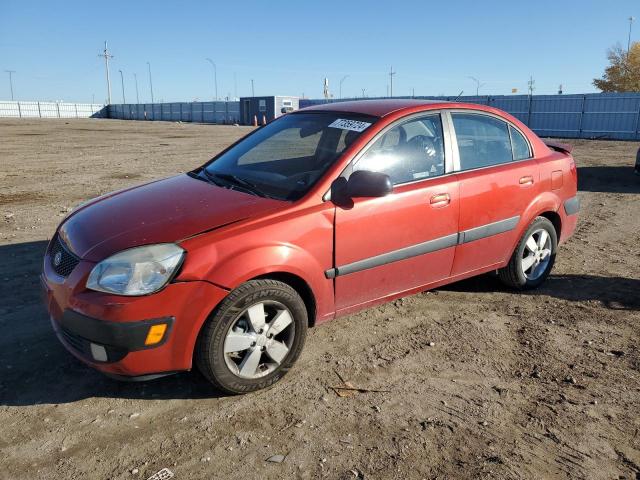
(536, 385)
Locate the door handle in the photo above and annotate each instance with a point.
(526, 180)
(440, 200)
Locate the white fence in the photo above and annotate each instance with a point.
(51, 110)
(198, 112)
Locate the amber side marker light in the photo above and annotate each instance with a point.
(155, 334)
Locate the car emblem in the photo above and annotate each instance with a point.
(57, 259)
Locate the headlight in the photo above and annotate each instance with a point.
(137, 271)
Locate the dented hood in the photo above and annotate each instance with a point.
(167, 210)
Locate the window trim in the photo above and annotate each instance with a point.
(447, 144)
(454, 138)
(513, 152)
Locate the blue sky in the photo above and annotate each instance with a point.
(288, 47)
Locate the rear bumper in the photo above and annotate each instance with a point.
(572, 206)
(568, 218)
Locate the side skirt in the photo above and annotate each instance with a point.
(422, 288)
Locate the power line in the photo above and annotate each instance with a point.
(107, 56)
(11, 72)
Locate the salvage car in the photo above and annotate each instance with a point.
(318, 214)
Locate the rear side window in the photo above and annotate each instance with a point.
(482, 140)
(520, 145)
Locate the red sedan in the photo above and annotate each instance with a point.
(321, 213)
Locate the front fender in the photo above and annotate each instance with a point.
(238, 266)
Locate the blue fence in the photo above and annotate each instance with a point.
(200, 112)
(592, 115)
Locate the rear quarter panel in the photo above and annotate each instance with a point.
(558, 184)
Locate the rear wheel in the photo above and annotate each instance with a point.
(533, 258)
(253, 338)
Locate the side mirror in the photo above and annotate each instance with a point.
(363, 183)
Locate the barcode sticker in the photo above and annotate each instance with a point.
(353, 125)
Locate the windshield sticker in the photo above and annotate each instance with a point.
(353, 125)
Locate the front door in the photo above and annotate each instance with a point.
(407, 239)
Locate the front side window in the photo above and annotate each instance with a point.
(410, 151)
(482, 140)
(285, 158)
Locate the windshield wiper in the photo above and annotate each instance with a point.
(235, 180)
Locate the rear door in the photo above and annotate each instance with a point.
(406, 239)
(498, 180)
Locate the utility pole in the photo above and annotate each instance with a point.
(631, 19)
(150, 81)
(391, 74)
(532, 84)
(135, 78)
(215, 77)
(11, 72)
(124, 100)
(107, 56)
(342, 80)
(253, 93)
(478, 85)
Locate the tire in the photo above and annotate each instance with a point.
(515, 274)
(232, 325)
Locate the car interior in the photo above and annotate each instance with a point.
(408, 152)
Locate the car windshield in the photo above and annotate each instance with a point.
(285, 158)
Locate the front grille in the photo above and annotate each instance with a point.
(62, 260)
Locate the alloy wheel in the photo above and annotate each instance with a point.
(536, 255)
(259, 339)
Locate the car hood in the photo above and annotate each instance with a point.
(167, 210)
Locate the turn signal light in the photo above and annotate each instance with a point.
(155, 334)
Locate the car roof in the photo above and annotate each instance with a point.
(379, 108)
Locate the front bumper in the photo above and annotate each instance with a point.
(108, 331)
(106, 341)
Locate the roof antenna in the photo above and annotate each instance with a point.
(459, 95)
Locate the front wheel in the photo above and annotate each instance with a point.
(533, 258)
(253, 338)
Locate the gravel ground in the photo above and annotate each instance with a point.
(482, 382)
